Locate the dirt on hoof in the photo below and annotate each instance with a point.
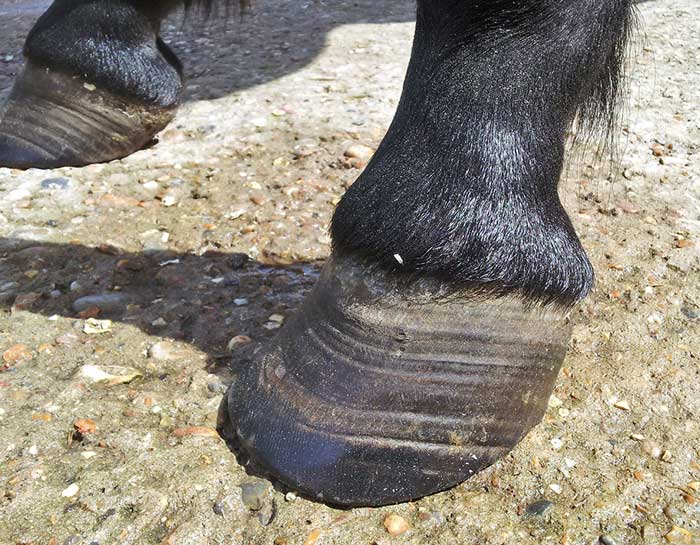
(132, 292)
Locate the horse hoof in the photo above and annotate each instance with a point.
(379, 392)
(54, 120)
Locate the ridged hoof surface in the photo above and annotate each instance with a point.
(377, 393)
(53, 120)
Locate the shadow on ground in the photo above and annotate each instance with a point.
(202, 300)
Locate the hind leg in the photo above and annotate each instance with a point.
(98, 85)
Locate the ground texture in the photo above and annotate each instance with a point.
(198, 248)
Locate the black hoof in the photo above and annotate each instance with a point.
(376, 394)
(53, 120)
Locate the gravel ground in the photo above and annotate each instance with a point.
(196, 250)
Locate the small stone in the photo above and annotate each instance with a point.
(691, 313)
(680, 535)
(154, 240)
(276, 318)
(652, 449)
(169, 200)
(555, 402)
(85, 426)
(219, 508)
(71, 491)
(55, 183)
(106, 302)
(267, 513)
(164, 351)
(253, 494)
(538, 507)
(557, 443)
(159, 322)
(240, 302)
(217, 387)
(90, 312)
(17, 195)
(622, 404)
(96, 327)
(359, 151)
(238, 340)
(607, 540)
(16, 354)
(258, 198)
(555, 488)
(290, 496)
(272, 325)
(166, 421)
(396, 525)
(658, 150)
(110, 375)
(197, 431)
(25, 301)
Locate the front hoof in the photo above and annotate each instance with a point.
(53, 120)
(377, 392)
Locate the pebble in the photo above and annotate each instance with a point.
(94, 326)
(253, 494)
(164, 351)
(154, 240)
(24, 301)
(106, 302)
(17, 195)
(267, 513)
(359, 151)
(110, 375)
(71, 491)
(622, 404)
(217, 387)
(55, 183)
(169, 199)
(85, 426)
(197, 431)
(238, 340)
(607, 540)
(680, 535)
(691, 313)
(538, 507)
(396, 525)
(16, 354)
(219, 508)
(555, 488)
(652, 449)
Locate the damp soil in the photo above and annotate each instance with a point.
(199, 247)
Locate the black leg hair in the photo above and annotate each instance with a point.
(464, 186)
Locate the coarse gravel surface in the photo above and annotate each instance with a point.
(197, 248)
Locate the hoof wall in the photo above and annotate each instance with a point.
(375, 393)
(53, 120)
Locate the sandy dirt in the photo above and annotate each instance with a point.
(197, 249)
